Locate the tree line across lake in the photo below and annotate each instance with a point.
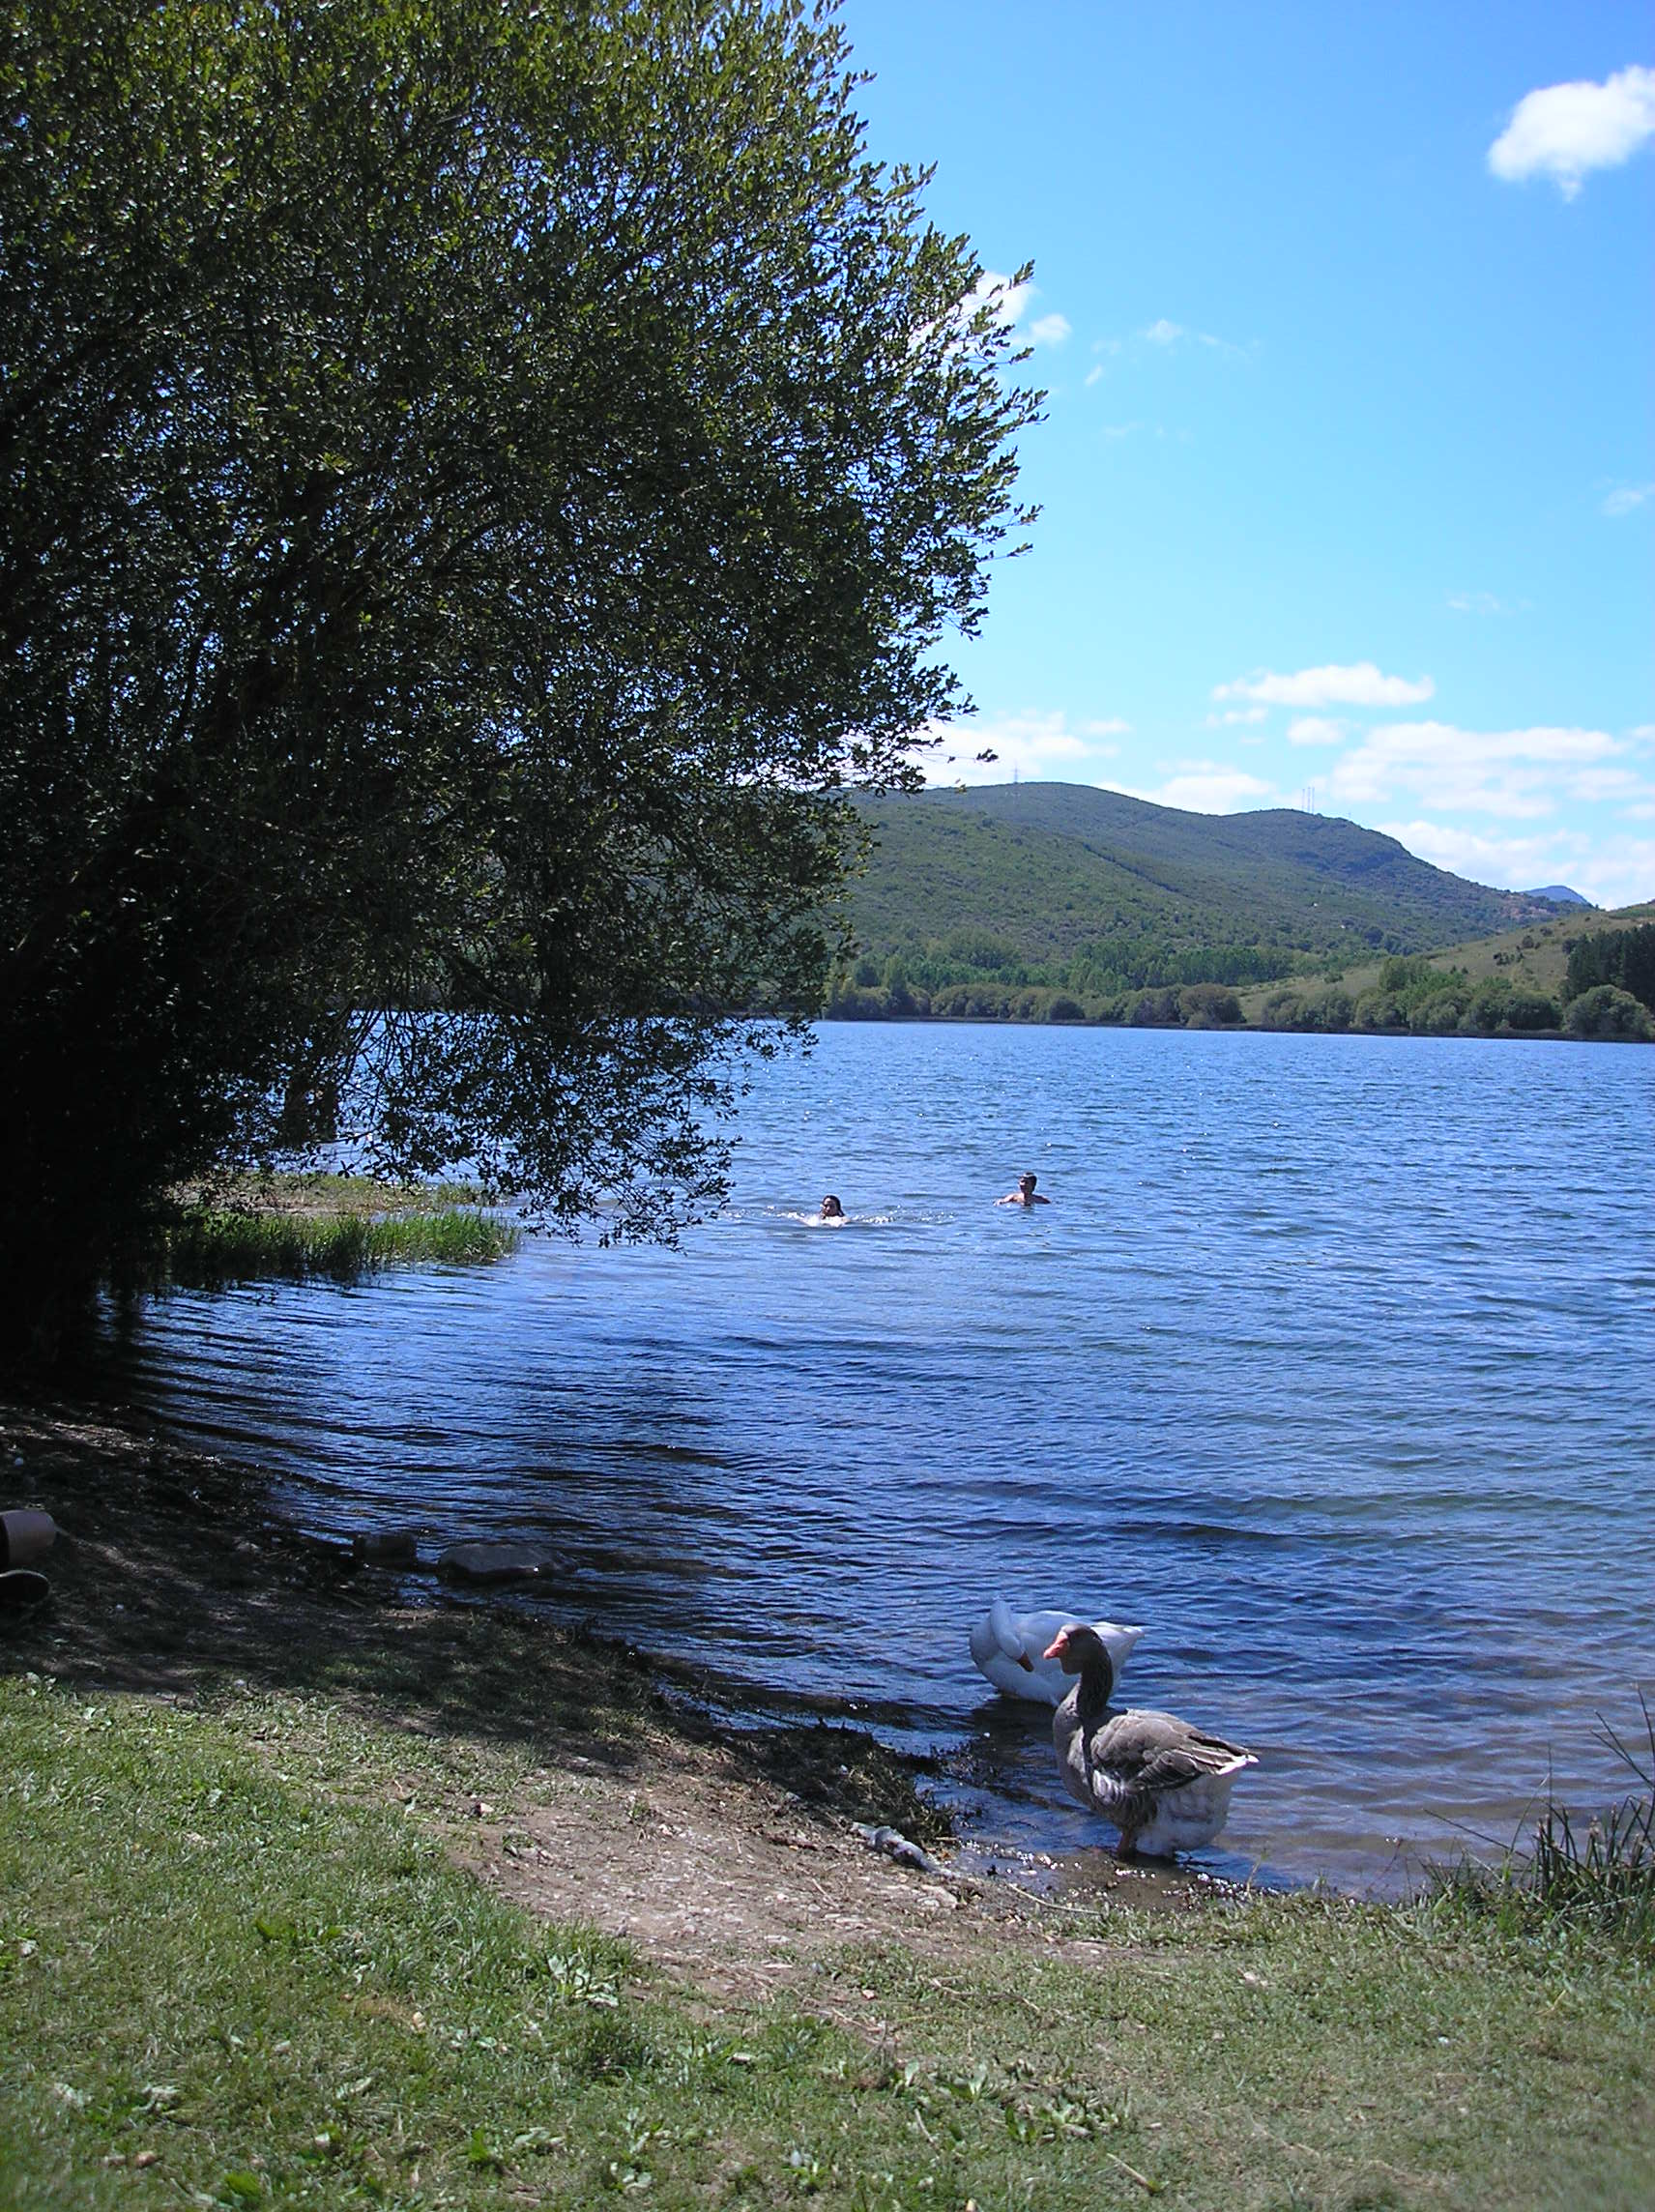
(1609, 994)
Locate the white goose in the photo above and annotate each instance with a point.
(1165, 1785)
(1010, 1649)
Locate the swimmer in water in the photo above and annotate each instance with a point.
(1024, 1194)
(831, 1209)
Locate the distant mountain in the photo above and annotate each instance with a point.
(1052, 874)
(1560, 895)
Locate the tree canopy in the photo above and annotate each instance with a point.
(480, 481)
(1622, 957)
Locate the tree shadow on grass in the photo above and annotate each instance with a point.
(174, 1576)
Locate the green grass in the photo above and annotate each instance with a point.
(321, 1192)
(235, 1945)
(222, 1244)
(237, 1941)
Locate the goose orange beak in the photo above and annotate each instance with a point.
(1055, 1649)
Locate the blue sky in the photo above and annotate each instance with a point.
(1349, 474)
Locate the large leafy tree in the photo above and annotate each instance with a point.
(479, 478)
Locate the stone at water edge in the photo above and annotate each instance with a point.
(386, 1548)
(485, 1562)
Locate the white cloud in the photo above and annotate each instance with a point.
(993, 290)
(1237, 714)
(1164, 335)
(1618, 871)
(1565, 129)
(1040, 747)
(1614, 871)
(1316, 730)
(1509, 864)
(1205, 787)
(1476, 603)
(1360, 686)
(1008, 302)
(1512, 774)
(1121, 429)
(1627, 497)
(1093, 373)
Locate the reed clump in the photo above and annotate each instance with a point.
(1598, 1879)
(216, 1245)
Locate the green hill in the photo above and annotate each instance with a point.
(1062, 885)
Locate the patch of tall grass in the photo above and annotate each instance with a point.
(219, 1245)
(320, 1191)
(1596, 1878)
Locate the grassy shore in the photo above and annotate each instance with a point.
(310, 1894)
(338, 1226)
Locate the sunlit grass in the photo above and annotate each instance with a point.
(239, 1963)
(225, 1244)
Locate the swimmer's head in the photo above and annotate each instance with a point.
(1027, 1181)
(831, 1209)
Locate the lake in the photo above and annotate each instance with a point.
(1333, 1363)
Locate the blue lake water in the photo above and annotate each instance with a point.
(1333, 1363)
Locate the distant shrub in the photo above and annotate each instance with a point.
(1328, 1010)
(1279, 1010)
(973, 1001)
(1411, 994)
(849, 1005)
(1404, 974)
(1208, 1007)
(1440, 1015)
(1065, 1009)
(1609, 1015)
(978, 948)
(1380, 1009)
(1486, 1009)
(1528, 1010)
(1156, 1010)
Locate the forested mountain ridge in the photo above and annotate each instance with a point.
(1096, 889)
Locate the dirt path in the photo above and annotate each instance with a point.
(724, 1882)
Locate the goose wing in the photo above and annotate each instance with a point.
(1155, 1753)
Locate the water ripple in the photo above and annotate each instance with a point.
(1332, 1362)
